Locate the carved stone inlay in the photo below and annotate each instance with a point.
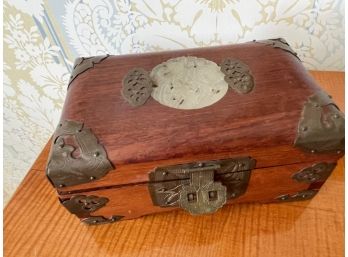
(82, 205)
(317, 172)
(279, 43)
(82, 64)
(321, 126)
(237, 75)
(76, 156)
(137, 87)
(188, 83)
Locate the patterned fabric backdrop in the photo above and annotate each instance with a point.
(42, 38)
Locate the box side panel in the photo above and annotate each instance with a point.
(275, 184)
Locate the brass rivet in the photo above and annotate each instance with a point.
(113, 219)
(61, 185)
(304, 128)
(91, 178)
(96, 154)
(312, 151)
(164, 173)
(200, 164)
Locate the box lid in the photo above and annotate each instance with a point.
(269, 121)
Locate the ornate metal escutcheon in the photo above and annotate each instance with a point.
(202, 187)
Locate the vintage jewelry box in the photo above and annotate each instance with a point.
(193, 129)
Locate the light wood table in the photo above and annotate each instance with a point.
(35, 224)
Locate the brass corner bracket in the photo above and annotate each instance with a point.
(316, 172)
(83, 64)
(76, 157)
(300, 196)
(82, 206)
(321, 126)
(280, 43)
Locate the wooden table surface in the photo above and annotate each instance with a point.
(36, 225)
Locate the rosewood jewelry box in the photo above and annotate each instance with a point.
(192, 129)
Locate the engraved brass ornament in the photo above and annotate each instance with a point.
(83, 64)
(202, 187)
(321, 126)
(302, 195)
(316, 172)
(237, 75)
(82, 205)
(137, 87)
(76, 157)
(278, 43)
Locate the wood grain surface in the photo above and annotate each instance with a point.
(35, 224)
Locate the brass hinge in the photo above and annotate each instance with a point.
(201, 187)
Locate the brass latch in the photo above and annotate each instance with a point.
(202, 187)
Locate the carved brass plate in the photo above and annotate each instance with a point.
(137, 87)
(237, 75)
(317, 172)
(200, 187)
(321, 126)
(76, 157)
(82, 205)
